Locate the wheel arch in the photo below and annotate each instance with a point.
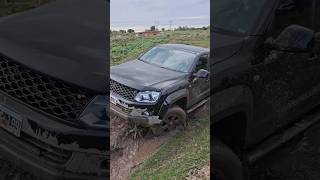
(231, 114)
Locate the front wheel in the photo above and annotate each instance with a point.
(175, 118)
(225, 165)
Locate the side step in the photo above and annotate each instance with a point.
(277, 140)
(196, 106)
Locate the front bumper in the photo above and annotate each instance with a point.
(53, 150)
(137, 114)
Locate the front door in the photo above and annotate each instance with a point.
(199, 88)
(283, 80)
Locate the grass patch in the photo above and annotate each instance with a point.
(189, 149)
(125, 47)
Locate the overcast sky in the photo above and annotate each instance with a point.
(140, 14)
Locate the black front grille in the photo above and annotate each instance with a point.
(42, 92)
(122, 90)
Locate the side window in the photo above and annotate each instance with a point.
(293, 12)
(202, 63)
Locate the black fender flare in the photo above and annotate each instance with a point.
(236, 99)
(171, 99)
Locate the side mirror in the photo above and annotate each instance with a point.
(294, 38)
(202, 73)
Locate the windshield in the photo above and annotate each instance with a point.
(172, 59)
(237, 16)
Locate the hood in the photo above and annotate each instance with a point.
(225, 46)
(143, 76)
(66, 39)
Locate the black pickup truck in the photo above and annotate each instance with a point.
(161, 87)
(53, 90)
(265, 80)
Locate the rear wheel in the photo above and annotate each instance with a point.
(226, 165)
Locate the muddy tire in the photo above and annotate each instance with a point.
(175, 118)
(225, 165)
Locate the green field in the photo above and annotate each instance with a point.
(188, 150)
(126, 46)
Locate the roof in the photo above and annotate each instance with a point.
(194, 49)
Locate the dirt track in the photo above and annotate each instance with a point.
(127, 153)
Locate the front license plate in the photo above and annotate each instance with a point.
(10, 121)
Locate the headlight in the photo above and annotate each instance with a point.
(95, 114)
(147, 96)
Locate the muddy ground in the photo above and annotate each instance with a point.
(127, 152)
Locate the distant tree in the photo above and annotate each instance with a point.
(204, 28)
(130, 31)
(182, 28)
(152, 28)
(123, 31)
(163, 29)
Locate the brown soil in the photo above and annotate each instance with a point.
(127, 153)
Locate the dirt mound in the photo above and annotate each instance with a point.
(127, 152)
